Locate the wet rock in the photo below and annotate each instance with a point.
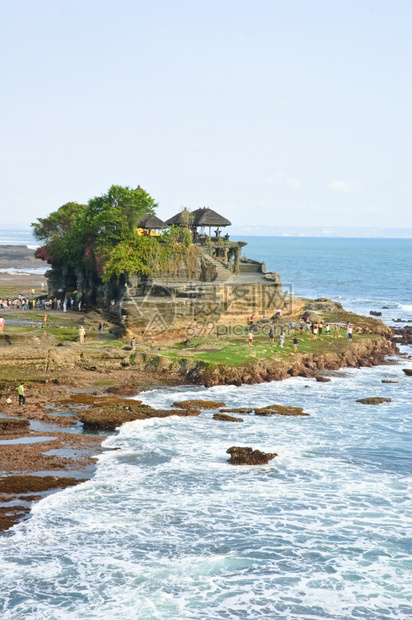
(403, 335)
(321, 379)
(34, 484)
(198, 404)
(281, 410)
(373, 400)
(247, 456)
(407, 371)
(244, 410)
(13, 426)
(226, 418)
(375, 313)
(388, 381)
(111, 417)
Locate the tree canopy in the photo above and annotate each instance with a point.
(101, 239)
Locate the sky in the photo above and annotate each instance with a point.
(271, 112)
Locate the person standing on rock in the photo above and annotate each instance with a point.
(22, 396)
(295, 344)
(350, 330)
(271, 335)
(82, 333)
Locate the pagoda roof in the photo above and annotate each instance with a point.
(150, 222)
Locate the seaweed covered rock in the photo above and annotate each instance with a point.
(373, 400)
(281, 410)
(111, 417)
(247, 456)
(244, 410)
(198, 404)
(223, 417)
(13, 426)
(100, 401)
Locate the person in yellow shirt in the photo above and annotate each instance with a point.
(22, 396)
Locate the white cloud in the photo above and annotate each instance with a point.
(282, 177)
(345, 187)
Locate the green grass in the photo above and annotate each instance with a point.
(236, 351)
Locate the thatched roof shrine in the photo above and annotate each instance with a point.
(150, 222)
(177, 220)
(208, 217)
(201, 217)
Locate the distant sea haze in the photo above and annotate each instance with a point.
(263, 230)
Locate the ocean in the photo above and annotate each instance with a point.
(167, 529)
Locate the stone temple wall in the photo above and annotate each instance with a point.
(173, 310)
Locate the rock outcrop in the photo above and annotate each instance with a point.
(373, 400)
(198, 404)
(247, 456)
(281, 410)
(223, 417)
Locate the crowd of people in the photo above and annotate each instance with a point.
(305, 326)
(42, 303)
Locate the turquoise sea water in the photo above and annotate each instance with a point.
(167, 529)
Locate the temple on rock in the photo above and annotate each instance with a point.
(218, 285)
(210, 283)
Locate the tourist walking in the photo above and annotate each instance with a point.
(350, 330)
(281, 340)
(250, 338)
(314, 331)
(327, 329)
(336, 333)
(22, 396)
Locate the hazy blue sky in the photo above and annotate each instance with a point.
(269, 111)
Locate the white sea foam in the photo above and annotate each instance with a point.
(167, 529)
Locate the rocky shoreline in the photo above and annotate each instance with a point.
(75, 392)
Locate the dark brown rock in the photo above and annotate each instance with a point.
(281, 410)
(247, 456)
(321, 379)
(11, 426)
(198, 404)
(244, 410)
(373, 400)
(407, 371)
(226, 418)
